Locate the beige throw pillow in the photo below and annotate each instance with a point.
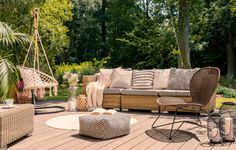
(161, 78)
(142, 79)
(180, 78)
(121, 78)
(105, 77)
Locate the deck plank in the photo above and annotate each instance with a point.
(44, 137)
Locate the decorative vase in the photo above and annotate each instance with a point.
(72, 98)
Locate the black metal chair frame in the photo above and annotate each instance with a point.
(172, 133)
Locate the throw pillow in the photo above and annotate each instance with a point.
(105, 77)
(121, 78)
(142, 79)
(161, 78)
(180, 78)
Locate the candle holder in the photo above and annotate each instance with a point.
(220, 126)
(227, 113)
(213, 128)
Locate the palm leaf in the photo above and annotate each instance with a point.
(8, 37)
(8, 78)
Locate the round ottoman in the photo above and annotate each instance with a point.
(104, 126)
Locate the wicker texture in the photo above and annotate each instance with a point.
(86, 80)
(111, 101)
(16, 123)
(138, 102)
(105, 126)
(81, 103)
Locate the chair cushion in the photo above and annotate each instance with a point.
(184, 93)
(142, 79)
(112, 91)
(180, 78)
(121, 78)
(138, 92)
(161, 78)
(104, 126)
(105, 77)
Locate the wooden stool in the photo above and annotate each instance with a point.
(81, 102)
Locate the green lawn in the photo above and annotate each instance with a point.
(63, 94)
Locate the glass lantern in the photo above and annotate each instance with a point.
(72, 98)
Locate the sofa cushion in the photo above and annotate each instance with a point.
(161, 78)
(174, 93)
(138, 92)
(112, 91)
(105, 77)
(180, 78)
(142, 79)
(121, 78)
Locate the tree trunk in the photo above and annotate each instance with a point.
(230, 54)
(183, 32)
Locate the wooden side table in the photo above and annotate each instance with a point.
(15, 122)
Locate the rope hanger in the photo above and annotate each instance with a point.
(34, 45)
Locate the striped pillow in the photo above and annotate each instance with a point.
(142, 79)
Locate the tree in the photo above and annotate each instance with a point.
(84, 32)
(53, 16)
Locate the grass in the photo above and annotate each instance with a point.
(63, 94)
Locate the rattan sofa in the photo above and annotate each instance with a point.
(141, 99)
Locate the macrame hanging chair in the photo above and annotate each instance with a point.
(34, 79)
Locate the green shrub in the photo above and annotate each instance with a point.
(231, 83)
(227, 92)
(84, 68)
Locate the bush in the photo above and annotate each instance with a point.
(84, 68)
(231, 83)
(227, 92)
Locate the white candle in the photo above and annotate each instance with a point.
(228, 126)
(214, 135)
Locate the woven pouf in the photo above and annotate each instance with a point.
(105, 126)
(81, 103)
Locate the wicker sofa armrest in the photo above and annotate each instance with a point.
(87, 79)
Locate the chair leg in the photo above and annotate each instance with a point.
(197, 115)
(172, 134)
(172, 125)
(159, 114)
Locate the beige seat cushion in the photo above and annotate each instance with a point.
(142, 79)
(105, 77)
(180, 78)
(105, 126)
(139, 92)
(177, 93)
(112, 91)
(161, 78)
(121, 78)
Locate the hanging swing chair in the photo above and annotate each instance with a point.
(34, 79)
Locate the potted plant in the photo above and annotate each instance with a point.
(8, 71)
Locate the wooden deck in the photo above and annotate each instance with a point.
(140, 138)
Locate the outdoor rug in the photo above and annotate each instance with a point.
(71, 122)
